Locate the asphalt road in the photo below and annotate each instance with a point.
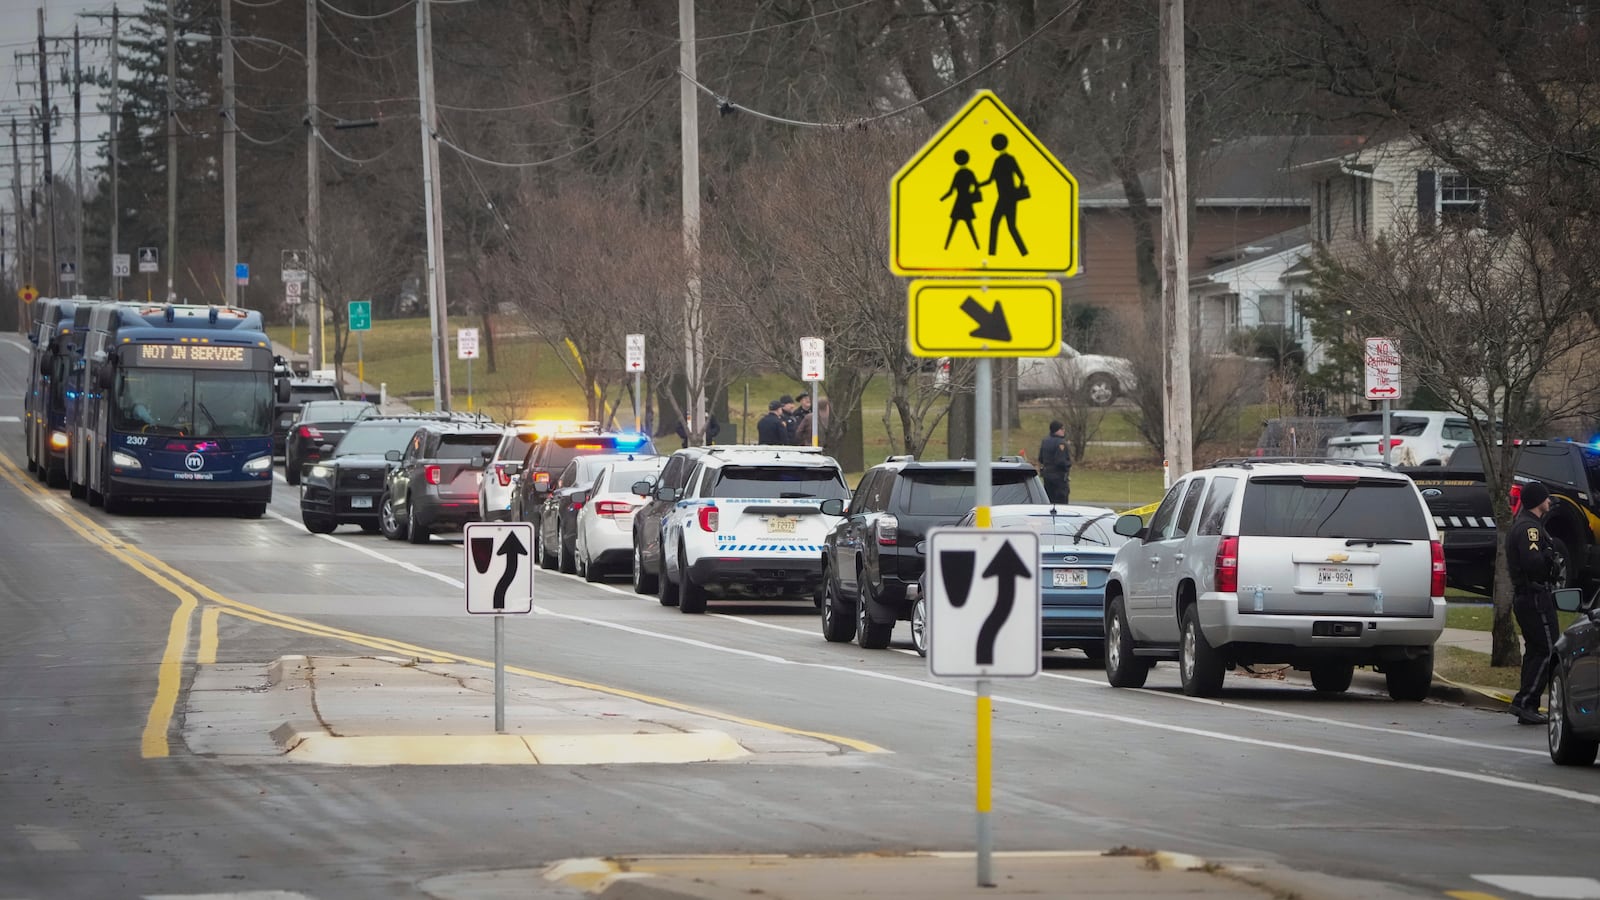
(100, 797)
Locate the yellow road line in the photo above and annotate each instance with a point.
(1470, 895)
(208, 636)
(160, 572)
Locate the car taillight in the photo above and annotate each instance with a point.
(578, 500)
(1436, 584)
(431, 473)
(708, 518)
(504, 476)
(309, 433)
(1516, 499)
(888, 529)
(1394, 442)
(1227, 571)
(541, 479)
(612, 508)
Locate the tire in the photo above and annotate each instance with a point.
(370, 527)
(1123, 669)
(565, 561)
(838, 624)
(417, 529)
(388, 522)
(1569, 576)
(643, 582)
(318, 524)
(55, 476)
(1566, 749)
(870, 635)
(108, 500)
(1100, 389)
(919, 626)
(291, 472)
(586, 567)
(251, 510)
(540, 551)
(1199, 664)
(1411, 679)
(1334, 678)
(691, 597)
(95, 497)
(669, 590)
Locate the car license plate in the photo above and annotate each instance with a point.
(1336, 576)
(782, 524)
(1069, 578)
(360, 502)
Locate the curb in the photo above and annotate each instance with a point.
(305, 742)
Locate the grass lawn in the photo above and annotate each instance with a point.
(1481, 618)
(1470, 667)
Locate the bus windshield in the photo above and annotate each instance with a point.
(193, 402)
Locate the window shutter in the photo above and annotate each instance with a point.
(1427, 205)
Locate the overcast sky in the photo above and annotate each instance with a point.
(19, 92)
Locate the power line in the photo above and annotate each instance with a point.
(350, 15)
(548, 100)
(327, 28)
(350, 159)
(570, 153)
(777, 25)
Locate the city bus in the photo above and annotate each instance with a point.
(180, 407)
(44, 419)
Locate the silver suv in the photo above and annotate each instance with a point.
(1320, 565)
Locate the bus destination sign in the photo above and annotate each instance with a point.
(197, 356)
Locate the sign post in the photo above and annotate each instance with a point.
(359, 314)
(1008, 305)
(635, 366)
(149, 264)
(241, 273)
(121, 267)
(1383, 382)
(812, 361)
(69, 273)
(467, 349)
(499, 584)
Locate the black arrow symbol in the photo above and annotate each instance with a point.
(1006, 568)
(991, 323)
(511, 549)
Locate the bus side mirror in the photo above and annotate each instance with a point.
(44, 366)
(283, 390)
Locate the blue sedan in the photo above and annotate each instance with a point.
(1076, 546)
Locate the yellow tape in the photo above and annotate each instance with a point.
(1143, 511)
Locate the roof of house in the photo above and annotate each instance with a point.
(1261, 248)
(1250, 171)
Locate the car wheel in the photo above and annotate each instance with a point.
(1100, 389)
(1333, 678)
(691, 597)
(869, 634)
(643, 582)
(318, 524)
(1200, 665)
(540, 551)
(838, 623)
(565, 562)
(1564, 567)
(417, 528)
(919, 626)
(388, 522)
(291, 473)
(669, 590)
(1566, 749)
(251, 510)
(1123, 669)
(1410, 679)
(369, 527)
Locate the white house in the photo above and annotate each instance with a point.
(1253, 285)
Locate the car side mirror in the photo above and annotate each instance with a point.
(325, 448)
(642, 488)
(1129, 526)
(1569, 599)
(833, 506)
(667, 494)
(922, 548)
(102, 375)
(392, 456)
(44, 366)
(511, 468)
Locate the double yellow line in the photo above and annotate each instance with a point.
(154, 742)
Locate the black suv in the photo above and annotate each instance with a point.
(346, 486)
(550, 454)
(284, 413)
(434, 484)
(321, 423)
(870, 557)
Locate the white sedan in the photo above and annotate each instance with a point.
(1101, 379)
(604, 539)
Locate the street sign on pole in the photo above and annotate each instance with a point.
(812, 359)
(1383, 369)
(950, 317)
(359, 313)
(121, 265)
(1023, 221)
(466, 343)
(149, 260)
(499, 583)
(983, 603)
(28, 293)
(635, 351)
(69, 273)
(241, 273)
(294, 265)
(291, 293)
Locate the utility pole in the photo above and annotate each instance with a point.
(172, 148)
(49, 163)
(1179, 417)
(116, 102)
(16, 206)
(689, 139)
(77, 148)
(313, 191)
(230, 165)
(432, 202)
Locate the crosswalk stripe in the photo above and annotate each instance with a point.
(1546, 887)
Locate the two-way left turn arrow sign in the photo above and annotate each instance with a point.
(499, 580)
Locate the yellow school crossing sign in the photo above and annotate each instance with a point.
(959, 317)
(983, 197)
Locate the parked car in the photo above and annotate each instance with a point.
(605, 523)
(1321, 566)
(434, 484)
(549, 454)
(1100, 379)
(346, 486)
(1574, 698)
(649, 520)
(320, 423)
(1076, 547)
(301, 391)
(499, 481)
(1416, 437)
(555, 541)
(870, 559)
(1298, 436)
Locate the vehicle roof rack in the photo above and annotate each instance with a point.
(904, 457)
(761, 448)
(1245, 462)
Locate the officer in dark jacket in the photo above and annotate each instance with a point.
(1533, 565)
(769, 428)
(1055, 464)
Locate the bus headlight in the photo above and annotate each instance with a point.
(125, 460)
(258, 465)
(58, 440)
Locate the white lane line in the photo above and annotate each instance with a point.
(10, 418)
(409, 567)
(1554, 887)
(46, 839)
(1134, 721)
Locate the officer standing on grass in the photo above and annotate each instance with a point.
(1055, 464)
(1533, 564)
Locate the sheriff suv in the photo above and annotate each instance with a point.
(747, 522)
(1322, 566)
(871, 557)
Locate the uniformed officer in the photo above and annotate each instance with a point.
(1055, 464)
(1533, 564)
